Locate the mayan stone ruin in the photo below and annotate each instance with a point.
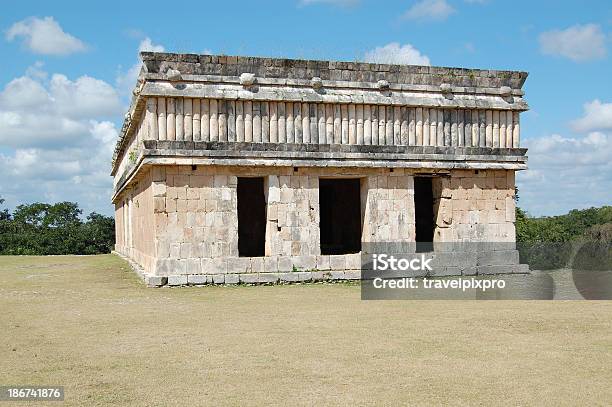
(260, 170)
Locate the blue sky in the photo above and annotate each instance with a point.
(67, 68)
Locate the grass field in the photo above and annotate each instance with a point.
(89, 324)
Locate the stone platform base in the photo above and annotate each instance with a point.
(449, 263)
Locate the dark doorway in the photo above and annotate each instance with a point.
(340, 204)
(251, 217)
(424, 213)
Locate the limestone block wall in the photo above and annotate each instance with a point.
(135, 223)
(197, 226)
(388, 207)
(475, 206)
(181, 221)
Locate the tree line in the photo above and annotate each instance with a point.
(43, 229)
(580, 239)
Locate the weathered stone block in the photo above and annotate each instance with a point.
(168, 267)
(305, 262)
(323, 263)
(285, 264)
(336, 275)
(498, 257)
(337, 262)
(193, 266)
(237, 265)
(177, 280)
(197, 279)
(268, 277)
(257, 265)
(156, 281)
(232, 279)
(352, 274)
(249, 278)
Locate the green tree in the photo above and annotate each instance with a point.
(41, 229)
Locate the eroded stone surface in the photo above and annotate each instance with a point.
(198, 123)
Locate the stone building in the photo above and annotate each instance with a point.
(240, 169)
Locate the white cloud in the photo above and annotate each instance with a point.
(343, 3)
(597, 116)
(58, 145)
(429, 10)
(84, 97)
(45, 36)
(394, 53)
(147, 45)
(566, 173)
(36, 113)
(579, 43)
(127, 80)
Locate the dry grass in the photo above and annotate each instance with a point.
(87, 323)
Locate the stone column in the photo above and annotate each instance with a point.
(205, 119)
(352, 125)
(475, 128)
(231, 120)
(257, 122)
(461, 127)
(502, 129)
(265, 122)
(382, 125)
(282, 122)
(489, 128)
(239, 121)
(454, 130)
(496, 128)
(329, 123)
(273, 122)
(374, 114)
(440, 128)
(222, 119)
(305, 123)
(161, 118)
(482, 129)
(170, 119)
(467, 118)
(322, 118)
(389, 126)
(404, 130)
(509, 129)
(196, 120)
(419, 126)
(297, 119)
(289, 122)
(516, 130)
(214, 120)
(188, 119)
(248, 121)
(411, 126)
(345, 123)
(359, 115)
(367, 125)
(433, 127)
(151, 119)
(397, 125)
(180, 121)
(337, 124)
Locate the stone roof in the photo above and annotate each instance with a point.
(192, 64)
